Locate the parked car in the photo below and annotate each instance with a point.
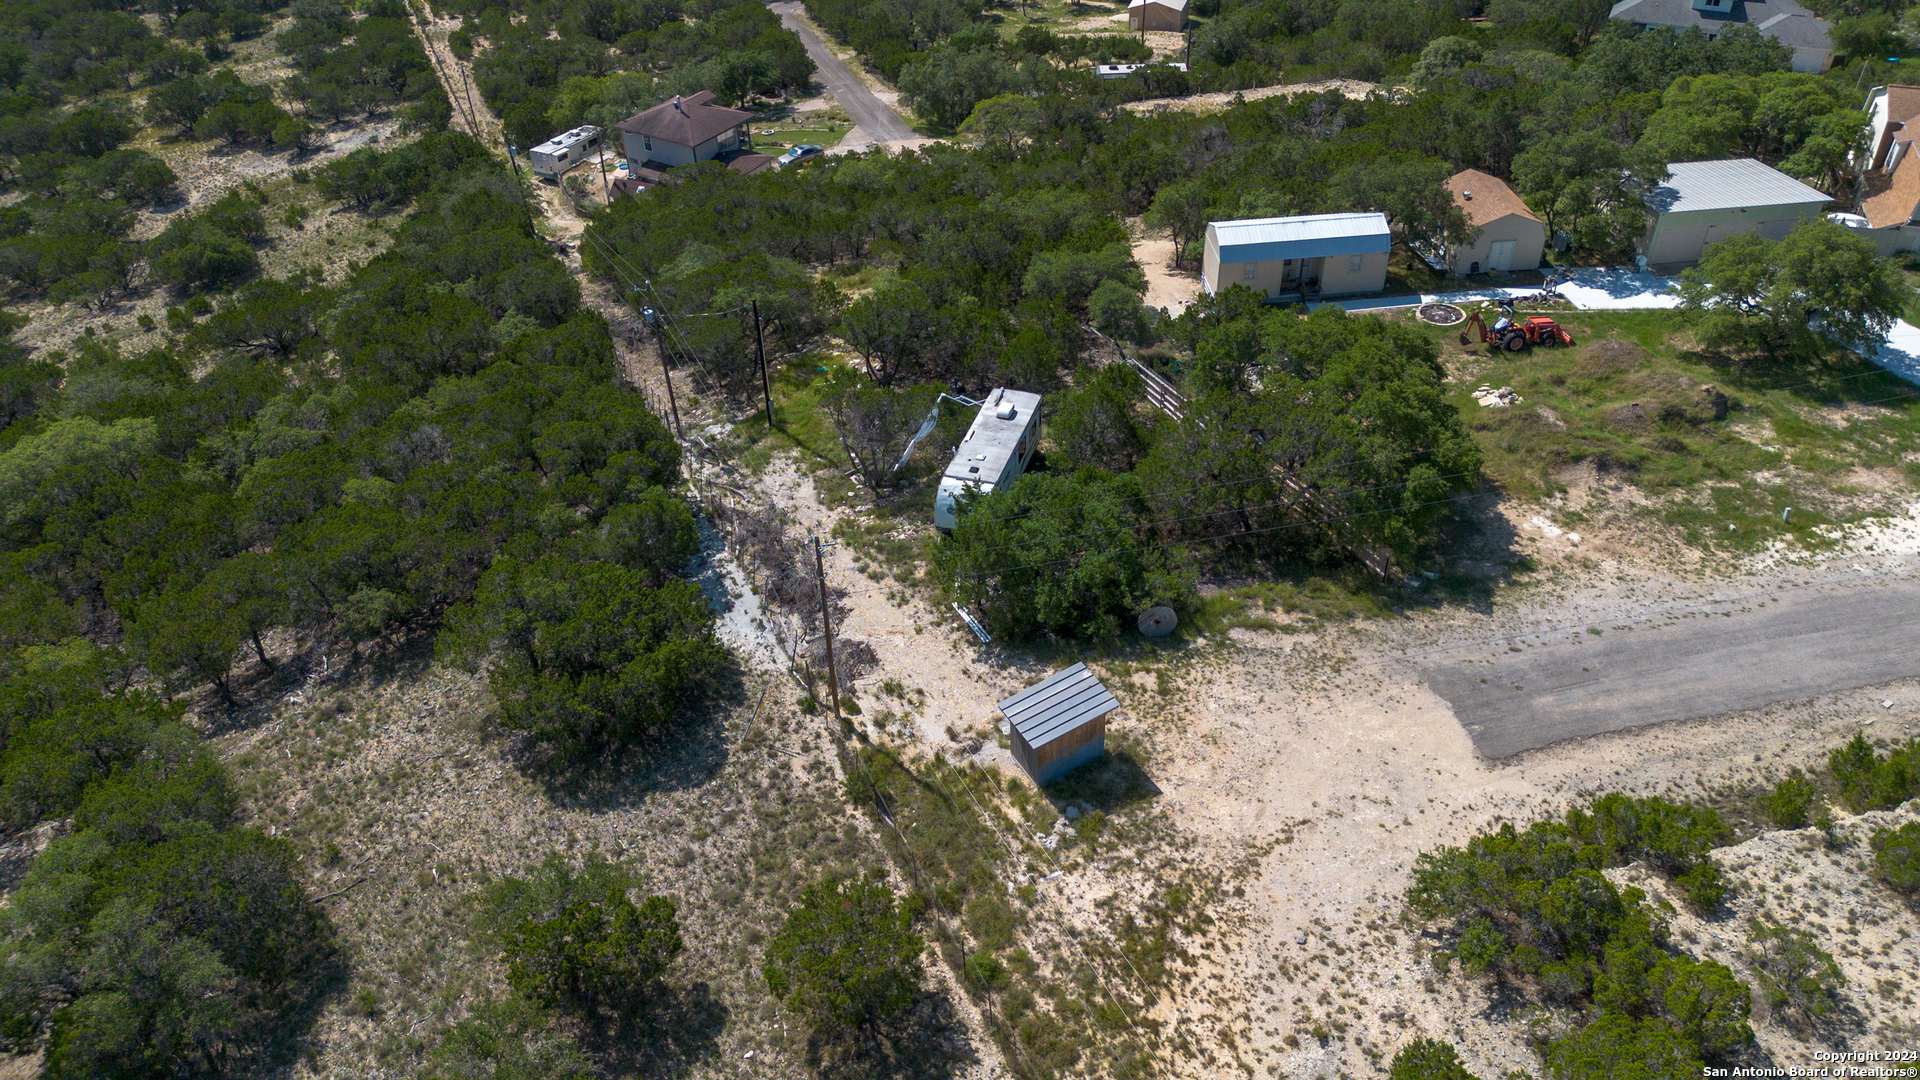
(800, 153)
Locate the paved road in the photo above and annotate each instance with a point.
(874, 118)
(1727, 658)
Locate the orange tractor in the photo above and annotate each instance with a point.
(1514, 333)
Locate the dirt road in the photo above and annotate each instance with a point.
(876, 121)
(1744, 648)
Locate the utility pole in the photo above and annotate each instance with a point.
(660, 342)
(606, 191)
(760, 350)
(826, 623)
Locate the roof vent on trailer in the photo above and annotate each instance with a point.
(1005, 411)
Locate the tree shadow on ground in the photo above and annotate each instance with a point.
(677, 1029)
(258, 689)
(1472, 552)
(288, 1014)
(683, 754)
(924, 1040)
(1111, 782)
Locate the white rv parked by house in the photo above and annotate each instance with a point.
(564, 151)
(996, 450)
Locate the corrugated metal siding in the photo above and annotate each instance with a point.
(1062, 702)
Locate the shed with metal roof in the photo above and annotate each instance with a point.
(1059, 723)
(1704, 202)
(1298, 258)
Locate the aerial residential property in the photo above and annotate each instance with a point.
(1783, 20)
(683, 131)
(1704, 202)
(1306, 564)
(1299, 258)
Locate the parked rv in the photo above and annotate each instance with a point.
(995, 451)
(564, 151)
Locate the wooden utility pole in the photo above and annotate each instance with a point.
(606, 190)
(760, 350)
(826, 624)
(660, 346)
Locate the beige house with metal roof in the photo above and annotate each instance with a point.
(1506, 235)
(1704, 202)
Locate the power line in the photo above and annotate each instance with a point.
(1215, 513)
(1243, 532)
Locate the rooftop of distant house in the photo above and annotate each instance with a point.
(685, 121)
(1782, 20)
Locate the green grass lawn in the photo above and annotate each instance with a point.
(781, 136)
(1629, 397)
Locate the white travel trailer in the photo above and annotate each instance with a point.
(564, 151)
(996, 450)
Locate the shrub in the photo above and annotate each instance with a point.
(1428, 1059)
(600, 949)
(1019, 558)
(1795, 973)
(589, 655)
(1896, 855)
(1870, 781)
(847, 955)
(1790, 803)
(572, 936)
(1617, 1047)
(511, 1039)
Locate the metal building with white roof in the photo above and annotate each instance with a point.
(1298, 258)
(1059, 723)
(1704, 202)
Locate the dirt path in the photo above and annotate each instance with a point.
(1168, 288)
(470, 112)
(1215, 102)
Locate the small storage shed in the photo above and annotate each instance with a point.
(564, 151)
(1156, 15)
(1705, 202)
(1059, 723)
(1298, 258)
(1508, 236)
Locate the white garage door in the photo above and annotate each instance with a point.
(1677, 245)
(1500, 255)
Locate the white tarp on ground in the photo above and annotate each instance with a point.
(1588, 290)
(1901, 353)
(1626, 290)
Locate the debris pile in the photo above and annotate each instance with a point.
(1490, 398)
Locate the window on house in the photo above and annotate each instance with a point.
(648, 139)
(1353, 264)
(1248, 271)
